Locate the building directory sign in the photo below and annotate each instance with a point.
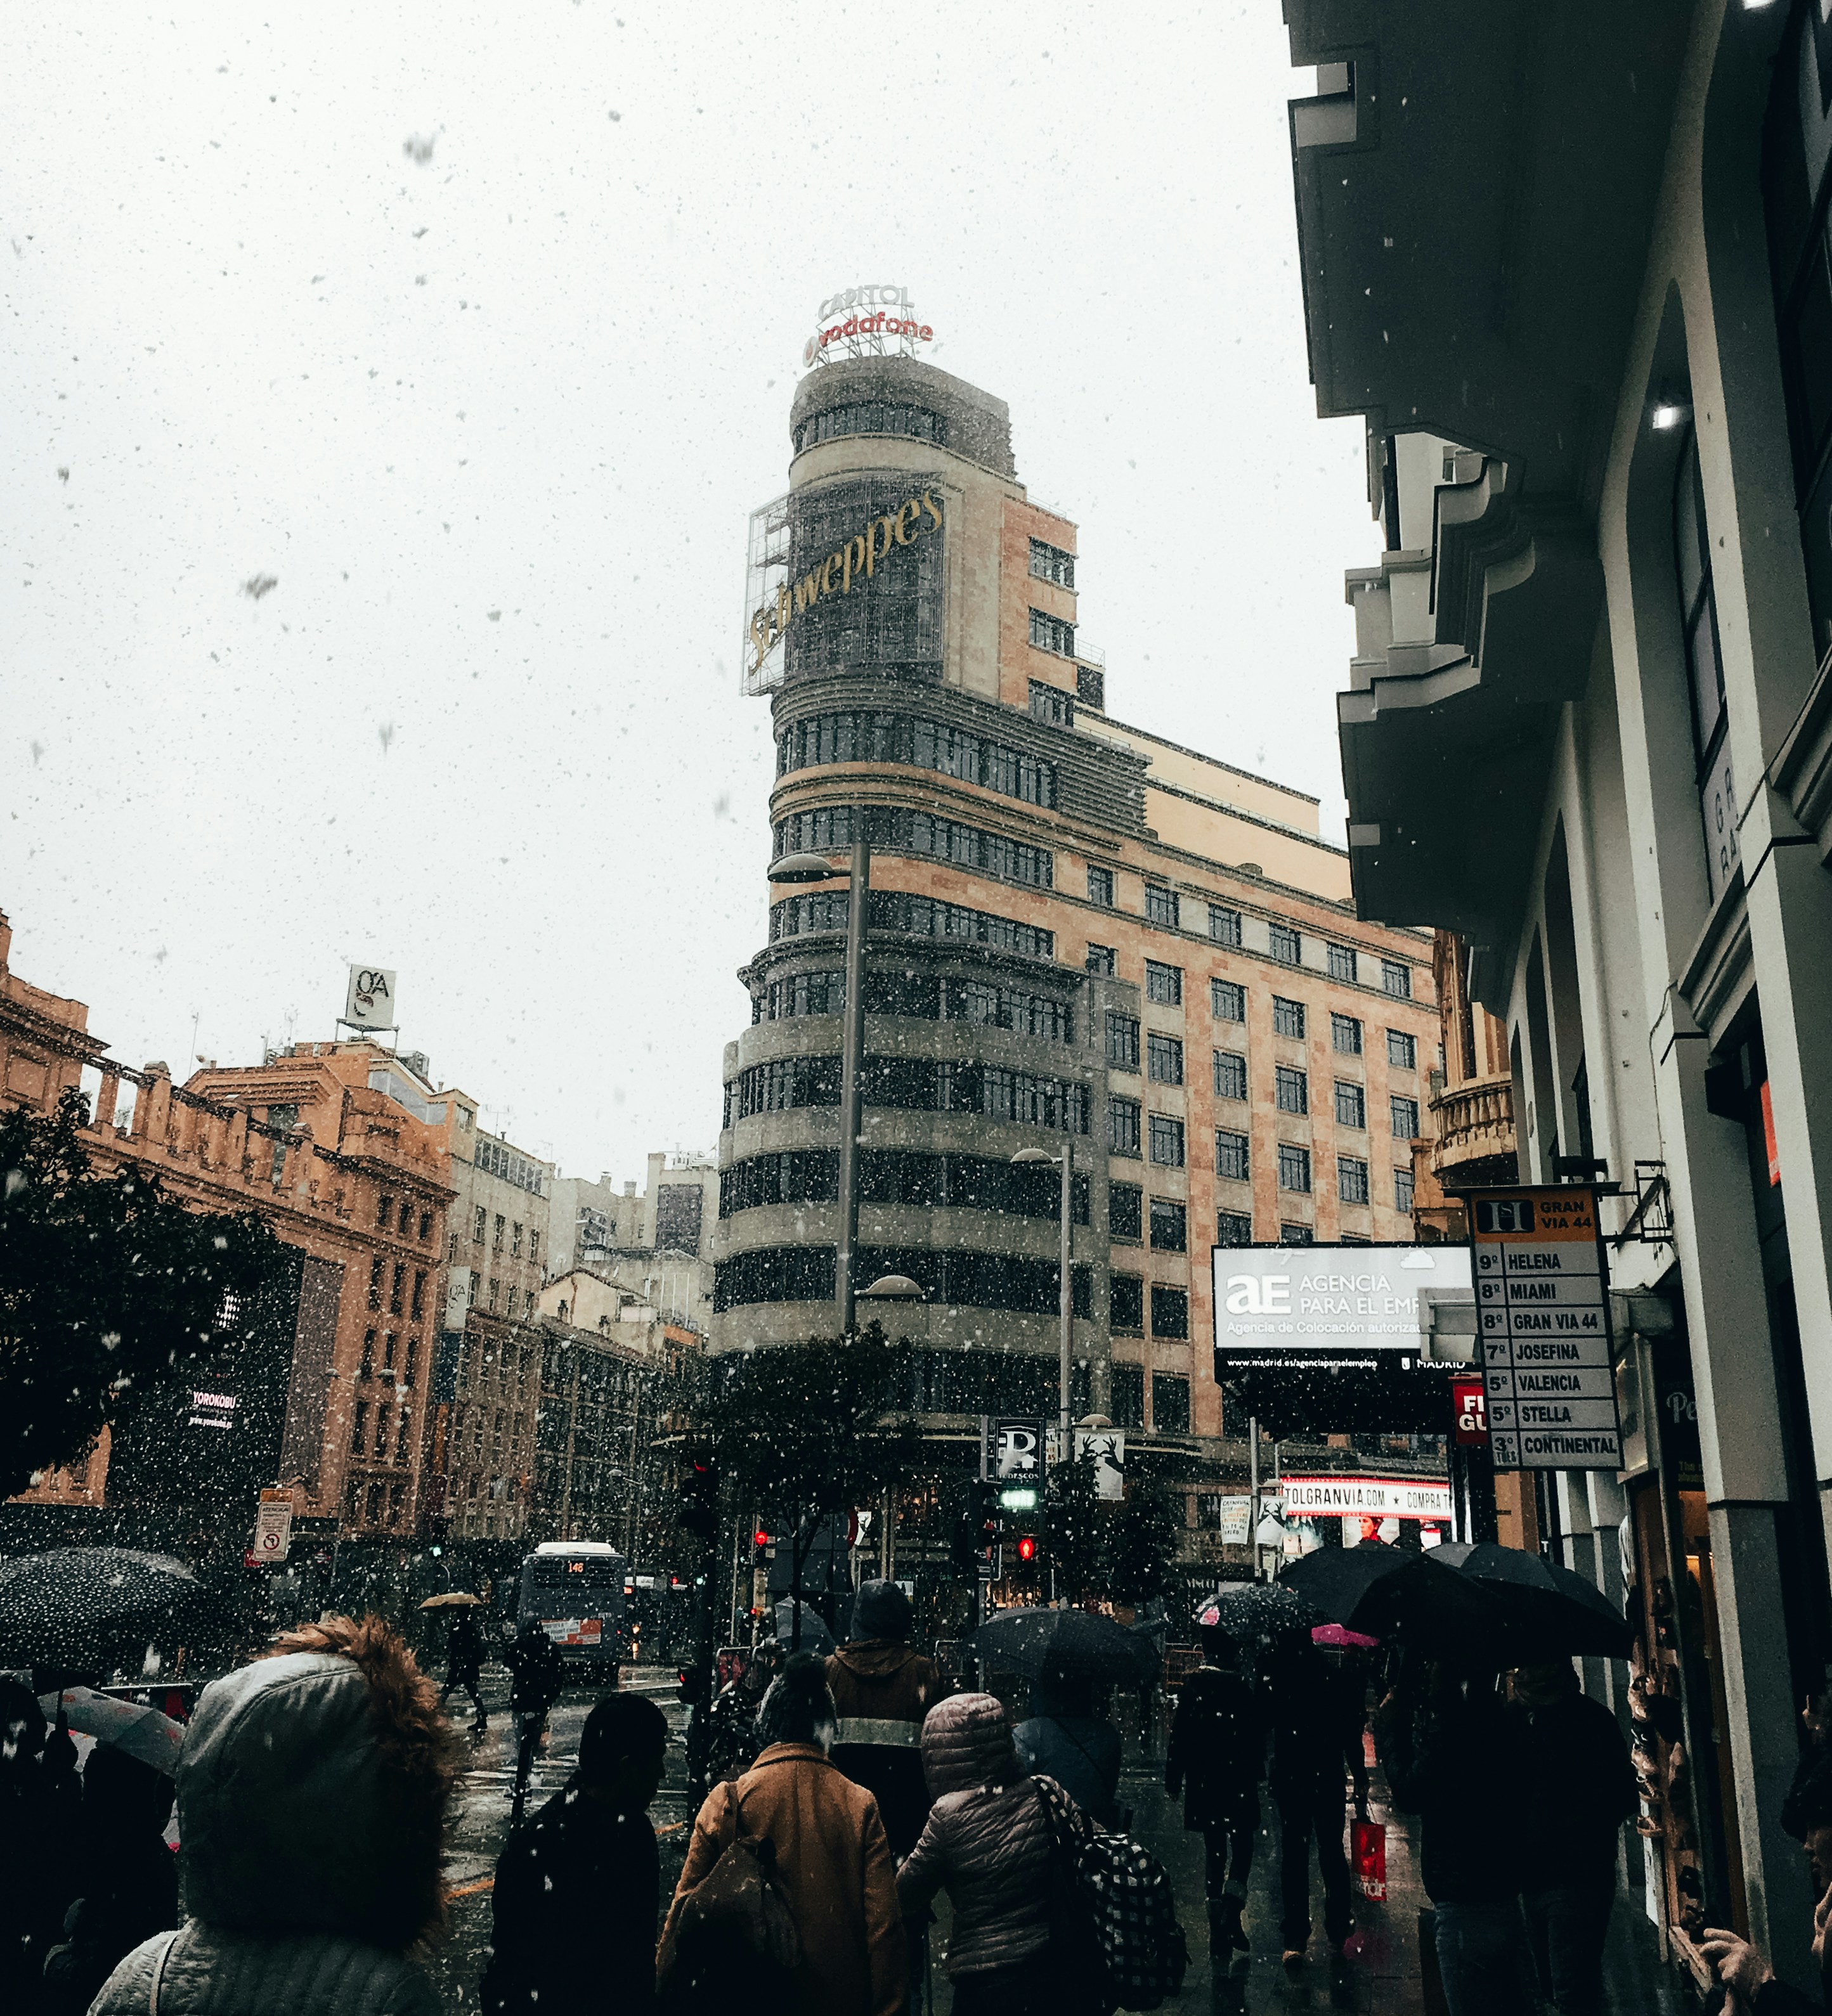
(1543, 1314)
(1351, 1309)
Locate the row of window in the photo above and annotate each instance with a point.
(386, 1219)
(902, 829)
(504, 1230)
(916, 916)
(897, 1175)
(1126, 1308)
(1227, 1003)
(1235, 1228)
(928, 997)
(871, 417)
(1050, 563)
(397, 1288)
(912, 1085)
(380, 1363)
(876, 735)
(1051, 633)
(495, 1159)
(385, 1446)
(958, 1280)
(1126, 1217)
(1163, 906)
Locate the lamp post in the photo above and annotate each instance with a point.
(1027, 1157)
(797, 868)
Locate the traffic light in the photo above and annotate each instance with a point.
(699, 1498)
(1027, 1548)
(760, 1549)
(976, 1537)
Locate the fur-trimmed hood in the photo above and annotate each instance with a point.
(311, 1792)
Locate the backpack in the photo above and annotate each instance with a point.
(1126, 1898)
(735, 1935)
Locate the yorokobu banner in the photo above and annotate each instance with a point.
(1349, 1308)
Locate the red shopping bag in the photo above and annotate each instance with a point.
(1368, 1856)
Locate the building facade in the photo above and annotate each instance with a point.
(1588, 729)
(1080, 935)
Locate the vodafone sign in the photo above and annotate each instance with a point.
(865, 322)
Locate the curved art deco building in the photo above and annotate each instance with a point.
(1078, 932)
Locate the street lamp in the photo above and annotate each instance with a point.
(894, 1288)
(1026, 1157)
(797, 868)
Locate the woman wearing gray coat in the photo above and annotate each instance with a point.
(312, 1796)
(990, 1844)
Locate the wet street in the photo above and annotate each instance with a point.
(1380, 1977)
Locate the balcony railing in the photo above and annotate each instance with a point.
(1474, 1121)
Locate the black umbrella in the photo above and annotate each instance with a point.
(1046, 1642)
(1544, 1611)
(51, 1604)
(1258, 1614)
(1376, 1589)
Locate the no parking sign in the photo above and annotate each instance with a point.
(273, 1529)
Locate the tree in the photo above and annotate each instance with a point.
(1142, 1540)
(1075, 1527)
(106, 1286)
(807, 1430)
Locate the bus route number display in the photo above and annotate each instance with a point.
(1543, 1318)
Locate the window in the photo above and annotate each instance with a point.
(417, 1303)
(1231, 1157)
(1208, 1511)
(1050, 563)
(375, 1281)
(1170, 1226)
(479, 1225)
(1402, 1189)
(495, 1292)
(359, 1428)
(876, 416)
(1164, 983)
(1396, 978)
(452, 1249)
(1345, 1035)
(384, 1213)
(1161, 906)
(1100, 959)
(534, 1243)
(1100, 886)
(1351, 1179)
(1233, 1228)
(1126, 1303)
(406, 1220)
(1351, 1105)
(1090, 686)
(1342, 961)
(1122, 1041)
(1291, 1089)
(1402, 1050)
(1170, 1312)
(501, 1223)
(1051, 633)
(397, 1290)
(1166, 1141)
(1164, 1059)
(1293, 1234)
(1125, 1206)
(515, 1241)
(1223, 925)
(1288, 1016)
(1171, 1396)
(907, 830)
(1284, 944)
(1294, 1168)
(1123, 1126)
(368, 1370)
(426, 1220)
(1405, 1118)
(1231, 1079)
(1227, 1001)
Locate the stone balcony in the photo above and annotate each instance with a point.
(1472, 1123)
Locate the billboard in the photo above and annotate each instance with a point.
(369, 1000)
(1342, 1307)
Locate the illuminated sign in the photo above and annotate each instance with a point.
(1336, 1308)
(855, 559)
(865, 322)
(1371, 1497)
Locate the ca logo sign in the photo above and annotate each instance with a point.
(1249, 1295)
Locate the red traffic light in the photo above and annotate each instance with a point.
(1026, 1547)
(760, 1538)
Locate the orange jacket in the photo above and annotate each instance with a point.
(833, 1866)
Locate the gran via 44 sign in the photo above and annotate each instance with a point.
(1542, 1310)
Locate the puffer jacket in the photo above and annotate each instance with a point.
(295, 1862)
(988, 1841)
(882, 1690)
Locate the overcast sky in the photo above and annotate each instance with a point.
(475, 331)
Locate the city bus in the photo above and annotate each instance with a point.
(575, 1590)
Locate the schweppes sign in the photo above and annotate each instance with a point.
(855, 560)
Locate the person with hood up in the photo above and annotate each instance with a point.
(990, 1843)
(832, 1864)
(576, 1891)
(37, 1850)
(882, 1689)
(1216, 1760)
(1311, 1707)
(126, 1878)
(312, 1796)
(537, 1676)
(1062, 1738)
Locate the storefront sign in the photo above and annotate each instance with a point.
(1366, 1497)
(854, 560)
(1542, 1305)
(1469, 1411)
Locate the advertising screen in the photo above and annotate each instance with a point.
(1353, 1308)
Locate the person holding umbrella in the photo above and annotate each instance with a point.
(1216, 1760)
(1063, 1738)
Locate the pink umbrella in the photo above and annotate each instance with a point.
(1338, 1637)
